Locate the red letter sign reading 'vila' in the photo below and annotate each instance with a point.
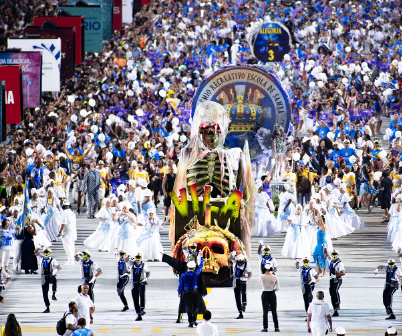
(12, 75)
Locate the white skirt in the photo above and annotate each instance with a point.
(52, 225)
(40, 239)
(100, 239)
(149, 245)
(265, 223)
(349, 216)
(336, 226)
(312, 230)
(296, 243)
(126, 239)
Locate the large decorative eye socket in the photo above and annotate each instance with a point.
(217, 248)
(204, 125)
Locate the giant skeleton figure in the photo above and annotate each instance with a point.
(204, 161)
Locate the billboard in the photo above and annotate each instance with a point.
(107, 14)
(93, 25)
(127, 11)
(72, 21)
(3, 110)
(51, 58)
(67, 36)
(117, 15)
(12, 75)
(31, 74)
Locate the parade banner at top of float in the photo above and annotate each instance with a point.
(255, 102)
(270, 41)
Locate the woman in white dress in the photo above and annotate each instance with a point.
(394, 225)
(52, 215)
(100, 239)
(130, 196)
(286, 206)
(37, 207)
(312, 228)
(348, 215)
(144, 198)
(296, 241)
(126, 237)
(265, 222)
(149, 243)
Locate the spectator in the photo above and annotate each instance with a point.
(71, 319)
(206, 328)
(340, 331)
(85, 305)
(385, 197)
(12, 327)
(82, 331)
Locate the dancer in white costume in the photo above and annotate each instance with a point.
(100, 239)
(265, 222)
(286, 206)
(312, 228)
(144, 198)
(52, 216)
(296, 242)
(348, 215)
(149, 243)
(37, 207)
(394, 224)
(127, 234)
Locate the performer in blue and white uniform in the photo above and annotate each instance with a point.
(89, 271)
(123, 275)
(264, 256)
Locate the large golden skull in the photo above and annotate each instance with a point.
(214, 243)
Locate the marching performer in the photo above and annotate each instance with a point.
(49, 268)
(139, 275)
(241, 274)
(308, 277)
(393, 275)
(266, 257)
(4, 279)
(123, 276)
(150, 241)
(336, 272)
(68, 232)
(89, 271)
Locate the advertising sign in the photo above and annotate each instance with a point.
(107, 14)
(31, 74)
(255, 101)
(72, 21)
(51, 58)
(93, 25)
(3, 110)
(117, 15)
(270, 41)
(67, 36)
(127, 11)
(12, 75)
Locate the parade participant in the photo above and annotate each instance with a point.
(265, 256)
(265, 221)
(139, 275)
(296, 241)
(348, 215)
(37, 209)
(144, 198)
(4, 280)
(29, 262)
(85, 305)
(391, 331)
(6, 242)
(71, 318)
(318, 317)
(241, 274)
(393, 275)
(17, 240)
(167, 187)
(308, 277)
(340, 331)
(49, 268)
(91, 185)
(286, 205)
(115, 182)
(319, 255)
(149, 242)
(89, 271)
(68, 232)
(270, 284)
(52, 216)
(100, 239)
(123, 276)
(188, 288)
(336, 272)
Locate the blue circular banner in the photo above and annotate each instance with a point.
(270, 42)
(255, 101)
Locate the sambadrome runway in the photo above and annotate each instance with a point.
(362, 311)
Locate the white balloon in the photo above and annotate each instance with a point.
(388, 131)
(108, 122)
(73, 118)
(94, 129)
(344, 67)
(395, 62)
(91, 102)
(183, 138)
(385, 137)
(101, 137)
(398, 134)
(83, 113)
(348, 49)
(312, 84)
(383, 154)
(91, 135)
(184, 79)
(330, 135)
(344, 80)
(130, 93)
(166, 85)
(358, 68)
(131, 145)
(29, 151)
(130, 118)
(364, 65)
(352, 159)
(320, 84)
(139, 112)
(175, 137)
(130, 63)
(366, 78)
(109, 156)
(175, 121)
(72, 139)
(306, 158)
(296, 156)
(162, 79)
(112, 117)
(70, 99)
(162, 93)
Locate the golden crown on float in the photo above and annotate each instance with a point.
(244, 116)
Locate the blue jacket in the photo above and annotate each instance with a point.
(188, 280)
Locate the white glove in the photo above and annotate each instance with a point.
(332, 276)
(54, 272)
(376, 271)
(233, 253)
(312, 281)
(93, 280)
(324, 245)
(80, 254)
(261, 242)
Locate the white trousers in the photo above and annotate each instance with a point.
(69, 247)
(5, 258)
(318, 330)
(17, 254)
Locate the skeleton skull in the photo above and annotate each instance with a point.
(214, 243)
(210, 134)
